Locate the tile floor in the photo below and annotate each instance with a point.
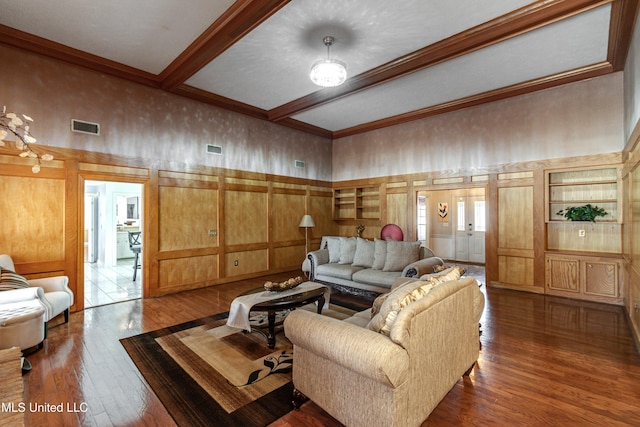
(106, 285)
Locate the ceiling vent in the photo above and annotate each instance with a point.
(85, 127)
(299, 164)
(214, 149)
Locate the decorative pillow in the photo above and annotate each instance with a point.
(404, 295)
(400, 254)
(347, 249)
(365, 250)
(379, 254)
(377, 303)
(333, 245)
(10, 280)
(444, 272)
(395, 301)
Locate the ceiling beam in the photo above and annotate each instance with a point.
(242, 17)
(528, 18)
(560, 79)
(623, 16)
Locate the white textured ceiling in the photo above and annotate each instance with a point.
(254, 57)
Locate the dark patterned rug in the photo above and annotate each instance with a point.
(207, 374)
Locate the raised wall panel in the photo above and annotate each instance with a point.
(288, 257)
(320, 210)
(246, 217)
(515, 217)
(247, 262)
(286, 214)
(397, 211)
(186, 215)
(33, 221)
(183, 272)
(515, 270)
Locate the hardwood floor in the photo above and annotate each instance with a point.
(544, 361)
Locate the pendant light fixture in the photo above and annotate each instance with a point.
(328, 72)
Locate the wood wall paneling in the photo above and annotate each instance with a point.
(188, 218)
(516, 238)
(287, 210)
(246, 263)
(246, 217)
(185, 273)
(33, 218)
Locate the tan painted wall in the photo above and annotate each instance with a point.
(573, 120)
(139, 121)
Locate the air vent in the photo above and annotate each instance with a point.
(214, 149)
(85, 127)
(299, 164)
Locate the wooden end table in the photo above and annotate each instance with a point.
(286, 302)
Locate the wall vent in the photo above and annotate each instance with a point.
(214, 149)
(85, 127)
(299, 164)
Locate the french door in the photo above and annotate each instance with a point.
(470, 228)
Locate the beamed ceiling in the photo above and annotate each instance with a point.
(406, 59)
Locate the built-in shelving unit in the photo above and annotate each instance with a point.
(583, 258)
(356, 203)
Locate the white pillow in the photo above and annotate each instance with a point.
(379, 254)
(333, 245)
(400, 254)
(347, 249)
(364, 253)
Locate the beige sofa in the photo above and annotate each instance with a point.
(395, 378)
(368, 267)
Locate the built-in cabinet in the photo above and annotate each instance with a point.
(584, 277)
(357, 203)
(583, 258)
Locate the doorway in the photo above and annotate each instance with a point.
(470, 214)
(452, 223)
(112, 210)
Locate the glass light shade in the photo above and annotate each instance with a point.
(328, 72)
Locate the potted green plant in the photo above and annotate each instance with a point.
(582, 213)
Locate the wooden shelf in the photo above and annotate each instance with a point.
(356, 203)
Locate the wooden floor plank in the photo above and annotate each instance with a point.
(544, 361)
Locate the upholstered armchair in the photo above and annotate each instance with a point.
(363, 376)
(52, 292)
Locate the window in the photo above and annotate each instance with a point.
(480, 217)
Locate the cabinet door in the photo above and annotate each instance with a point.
(601, 278)
(563, 274)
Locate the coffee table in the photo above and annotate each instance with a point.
(283, 303)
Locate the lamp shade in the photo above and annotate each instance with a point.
(307, 221)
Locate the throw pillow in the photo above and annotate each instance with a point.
(333, 245)
(379, 254)
(347, 249)
(400, 254)
(377, 303)
(365, 250)
(395, 301)
(10, 280)
(404, 295)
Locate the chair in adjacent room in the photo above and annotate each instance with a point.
(135, 244)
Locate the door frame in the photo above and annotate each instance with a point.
(92, 176)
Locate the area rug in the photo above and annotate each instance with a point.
(207, 374)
